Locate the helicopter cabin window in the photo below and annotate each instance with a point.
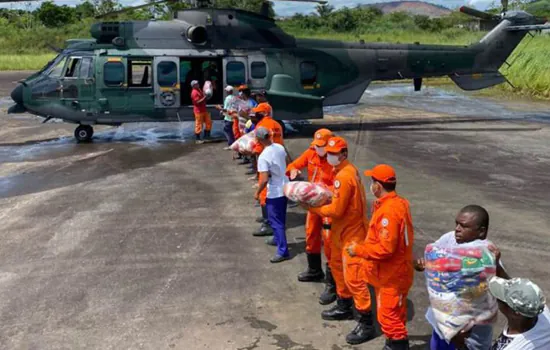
(167, 73)
(86, 69)
(236, 73)
(258, 70)
(72, 67)
(58, 68)
(113, 73)
(308, 73)
(139, 72)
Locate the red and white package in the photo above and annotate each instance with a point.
(310, 193)
(245, 143)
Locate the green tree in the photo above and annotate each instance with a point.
(324, 10)
(53, 16)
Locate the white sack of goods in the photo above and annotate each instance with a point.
(312, 194)
(245, 143)
(457, 279)
(207, 89)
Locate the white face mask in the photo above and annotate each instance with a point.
(240, 93)
(332, 159)
(320, 151)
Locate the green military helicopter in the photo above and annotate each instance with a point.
(140, 71)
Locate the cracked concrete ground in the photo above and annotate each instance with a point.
(127, 243)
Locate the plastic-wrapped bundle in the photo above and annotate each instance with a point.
(457, 277)
(207, 89)
(310, 193)
(245, 143)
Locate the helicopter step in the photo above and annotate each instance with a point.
(84, 133)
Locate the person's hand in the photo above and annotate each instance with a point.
(218, 107)
(294, 173)
(459, 340)
(257, 196)
(303, 205)
(419, 264)
(497, 253)
(351, 249)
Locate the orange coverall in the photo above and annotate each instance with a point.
(277, 136)
(318, 171)
(388, 267)
(348, 211)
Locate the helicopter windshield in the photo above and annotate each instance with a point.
(57, 66)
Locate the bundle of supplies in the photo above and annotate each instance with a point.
(312, 194)
(207, 89)
(457, 285)
(245, 143)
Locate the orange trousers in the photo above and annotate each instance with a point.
(391, 308)
(349, 276)
(315, 234)
(202, 118)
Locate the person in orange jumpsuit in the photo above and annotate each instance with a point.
(263, 119)
(348, 211)
(318, 171)
(387, 255)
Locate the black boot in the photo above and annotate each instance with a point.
(401, 344)
(364, 331)
(341, 311)
(198, 138)
(263, 218)
(314, 272)
(329, 294)
(206, 134)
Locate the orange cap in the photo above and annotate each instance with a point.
(336, 145)
(382, 173)
(242, 87)
(321, 137)
(263, 108)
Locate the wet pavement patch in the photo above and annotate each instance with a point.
(260, 324)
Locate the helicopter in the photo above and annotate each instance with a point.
(140, 71)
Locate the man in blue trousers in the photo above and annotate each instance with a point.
(271, 168)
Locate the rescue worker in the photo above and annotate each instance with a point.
(348, 211)
(202, 116)
(318, 171)
(388, 260)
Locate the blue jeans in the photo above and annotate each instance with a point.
(436, 343)
(480, 339)
(276, 217)
(228, 131)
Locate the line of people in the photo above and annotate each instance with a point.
(378, 252)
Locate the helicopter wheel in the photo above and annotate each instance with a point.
(84, 133)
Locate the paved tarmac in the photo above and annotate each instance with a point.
(140, 240)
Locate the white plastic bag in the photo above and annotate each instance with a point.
(310, 193)
(245, 143)
(457, 280)
(207, 89)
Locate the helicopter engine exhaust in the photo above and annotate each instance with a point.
(196, 34)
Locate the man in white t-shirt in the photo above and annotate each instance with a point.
(523, 304)
(271, 168)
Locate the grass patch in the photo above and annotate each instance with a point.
(24, 62)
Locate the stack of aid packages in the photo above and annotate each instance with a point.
(457, 278)
(310, 193)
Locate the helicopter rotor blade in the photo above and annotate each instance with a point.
(126, 9)
(479, 14)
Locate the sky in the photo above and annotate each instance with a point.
(286, 8)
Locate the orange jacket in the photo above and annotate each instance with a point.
(276, 132)
(348, 209)
(318, 169)
(388, 246)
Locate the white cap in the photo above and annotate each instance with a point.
(229, 88)
(194, 82)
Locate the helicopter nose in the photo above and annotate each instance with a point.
(17, 94)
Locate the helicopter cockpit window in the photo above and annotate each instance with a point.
(167, 73)
(86, 69)
(72, 67)
(308, 73)
(258, 70)
(58, 68)
(139, 73)
(113, 73)
(236, 73)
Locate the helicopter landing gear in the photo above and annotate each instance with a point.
(84, 133)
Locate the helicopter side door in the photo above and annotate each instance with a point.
(258, 71)
(166, 77)
(77, 83)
